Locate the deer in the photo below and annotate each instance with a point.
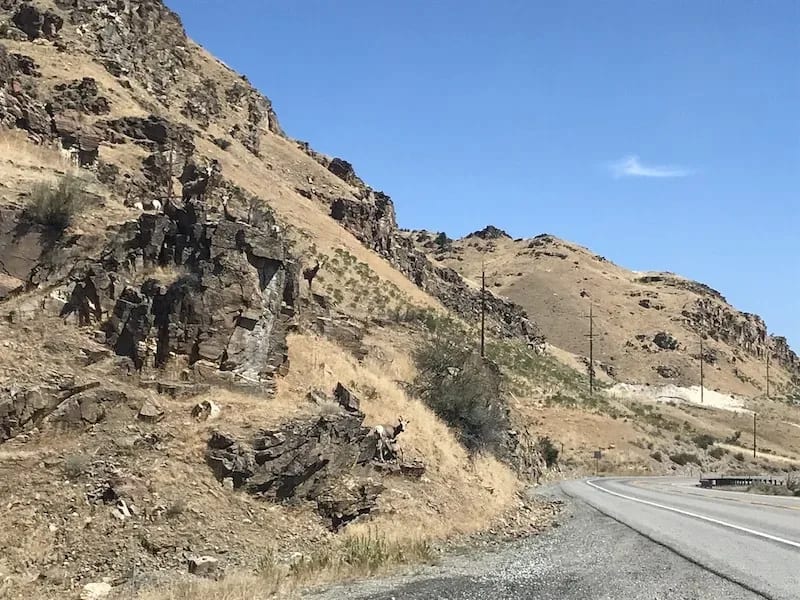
(310, 273)
(387, 435)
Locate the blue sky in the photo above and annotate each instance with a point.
(664, 135)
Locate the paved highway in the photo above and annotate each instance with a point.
(625, 539)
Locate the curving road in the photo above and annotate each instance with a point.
(749, 539)
(625, 539)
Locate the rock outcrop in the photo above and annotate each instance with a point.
(709, 317)
(315, 460)
(224, 294)
(372, 220)
(22, 409)
(490, 232)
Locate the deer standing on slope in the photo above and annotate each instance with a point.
(387, 436)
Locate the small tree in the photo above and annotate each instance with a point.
(549, 451)
(442, 241)
(464, 390)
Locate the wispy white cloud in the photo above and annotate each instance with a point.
(631, 166)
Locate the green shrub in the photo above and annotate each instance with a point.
(76, 465)
(54, 205)
(656, 456)
(716, 452)
(464, 390)
(704, 440)
(733, 438)
(548, 450)
(684, 458)
(739, 456)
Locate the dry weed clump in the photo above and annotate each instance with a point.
(355, 556)
(53, 205)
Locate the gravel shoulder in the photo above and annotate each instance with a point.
(589, 556)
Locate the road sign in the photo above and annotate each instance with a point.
(598, 454)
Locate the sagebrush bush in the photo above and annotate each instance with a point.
(464, 390)
(704, 440)
(549, 451)
(683, 458)
(54, 205)
(716, 452)
(656, 456)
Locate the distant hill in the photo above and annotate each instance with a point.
(649, 326)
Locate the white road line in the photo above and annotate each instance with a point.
(696, 516)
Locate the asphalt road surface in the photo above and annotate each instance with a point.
(622, 539)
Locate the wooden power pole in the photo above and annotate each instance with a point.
(591, 336)
(702, 360)
(483, 309)
(768, 350)
(754, 435)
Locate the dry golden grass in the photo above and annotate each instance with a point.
(459, 494)
(18, 151)
(239, 586)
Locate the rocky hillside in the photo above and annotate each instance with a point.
(649, 326)
(202, 320)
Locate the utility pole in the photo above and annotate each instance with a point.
(768, 349)
(702, 360)
(591, 336)
(483, 308)
(754, 435)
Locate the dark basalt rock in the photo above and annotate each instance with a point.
(304, 460)
(490, 232)
(37, 23)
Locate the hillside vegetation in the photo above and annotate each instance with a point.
(202, 321)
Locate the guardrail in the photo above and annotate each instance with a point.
(711, 481)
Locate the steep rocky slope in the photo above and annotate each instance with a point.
(167, 368)
(649, 326)
(159, 342)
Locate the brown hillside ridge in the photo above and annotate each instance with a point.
(202, 322)
(649, 325)
(159, 341)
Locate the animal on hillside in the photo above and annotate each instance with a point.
(386, 436)
(310, 273)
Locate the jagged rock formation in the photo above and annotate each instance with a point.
(23, 408)
(224, 294)
(229, 307)
(372, 220)
(311, 460)
(710, 318)
(490, 232)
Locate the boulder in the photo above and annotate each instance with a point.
(150, 412)
(81, 95)
(346, 501)
(345, 171)
(346, 399)
(205, 410)
(96, 591)
(37, 23)
(665, 341)
(204, 566)
(668, 372)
